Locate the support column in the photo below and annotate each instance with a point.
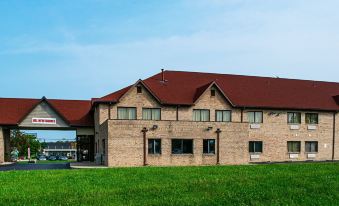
(218, 146)
(5, 147)
(144, 131)
(2, 146)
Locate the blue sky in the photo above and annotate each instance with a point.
(88, 48)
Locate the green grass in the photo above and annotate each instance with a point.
(47, 162)
(285, 184)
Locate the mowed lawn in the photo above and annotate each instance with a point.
(283, 184)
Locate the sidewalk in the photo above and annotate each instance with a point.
(87, 165)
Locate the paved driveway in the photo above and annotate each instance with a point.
(35, 166)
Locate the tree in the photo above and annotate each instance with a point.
(22, 141)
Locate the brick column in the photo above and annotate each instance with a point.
(2, 146)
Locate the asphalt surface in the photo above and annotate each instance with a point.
(35, 166)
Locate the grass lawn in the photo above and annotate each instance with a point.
(283, 184)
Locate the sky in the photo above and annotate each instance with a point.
(81, 49)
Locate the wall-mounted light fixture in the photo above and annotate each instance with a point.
(154, 127)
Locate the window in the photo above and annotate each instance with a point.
(127, 113)
(103, 147)
(255, 117)
(151, 114)
(201, 115)
(255, 146)
(311, 146)
(293, 146)
(294, 117)
(209, 146)
(182, 146)
(154, 146)
(223, 116)
(139, 89)
(213, 92)
(311, 118)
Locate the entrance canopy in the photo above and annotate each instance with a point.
(48, 114)
(45, 113)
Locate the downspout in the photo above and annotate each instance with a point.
(218, 145)
(242, 115)
(334, 130)
(109, 111)
(144, 131)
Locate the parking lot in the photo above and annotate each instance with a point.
(54, 166)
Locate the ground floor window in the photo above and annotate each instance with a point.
(182, 146)
(209, 146)
(311, 146)
(293, 146)
(255, 146)
(154, 146)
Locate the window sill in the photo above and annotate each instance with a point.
(208, 154)
(154, 155)
(182, 154)
(311, 152)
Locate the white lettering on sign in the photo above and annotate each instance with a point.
(43, 120)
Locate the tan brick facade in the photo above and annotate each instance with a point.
(124, 145)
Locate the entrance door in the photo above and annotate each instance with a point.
(85, 148)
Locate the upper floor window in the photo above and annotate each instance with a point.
(201, 115)
(293, 146)
(223, 116)
(255, 146)
(212, 92)
(127, 113)
(139, 89)
(311, 118)
(294, 117)
(209, 146)
(151, 114)
(311, 146)
(182, 146)
(255, 117)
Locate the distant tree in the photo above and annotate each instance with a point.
(22, 141)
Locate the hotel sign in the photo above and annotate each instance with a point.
(43, 120)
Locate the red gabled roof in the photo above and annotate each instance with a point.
(183, 88)
(75, 112)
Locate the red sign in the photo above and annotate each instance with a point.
(43, 120)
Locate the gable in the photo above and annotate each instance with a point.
(43, 115)
(133, 98)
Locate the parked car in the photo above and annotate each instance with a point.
(52, 158)
(42, 158)
(62, 158)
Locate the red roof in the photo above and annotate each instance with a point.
(183, 88)
(75, 112)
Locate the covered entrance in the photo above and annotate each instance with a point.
(48, 115)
